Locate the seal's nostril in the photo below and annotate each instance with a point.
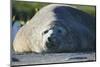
(49, 39)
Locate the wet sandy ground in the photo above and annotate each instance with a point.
(48, 58)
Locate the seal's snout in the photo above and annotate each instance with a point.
(51, 43)
(52, 39)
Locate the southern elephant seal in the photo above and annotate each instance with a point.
(57, 28)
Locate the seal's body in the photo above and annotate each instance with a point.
(57, 28)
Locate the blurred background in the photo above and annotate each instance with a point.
(24, 11)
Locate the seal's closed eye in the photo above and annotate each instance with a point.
(45, 32)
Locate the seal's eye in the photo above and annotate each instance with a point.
(45, 31)
(59, 31)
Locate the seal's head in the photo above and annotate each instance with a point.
(55, 37)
